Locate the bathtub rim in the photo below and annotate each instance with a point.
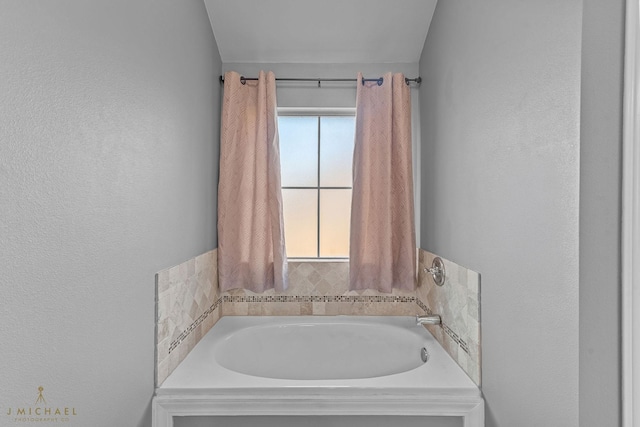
(332, 397)
(198, 373)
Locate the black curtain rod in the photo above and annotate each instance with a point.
(244, 79)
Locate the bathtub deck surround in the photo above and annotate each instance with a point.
(457, 302)
(187, 306)
(189, 303)
(207, 384)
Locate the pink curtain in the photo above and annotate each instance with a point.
(251, 251)
(382, 252)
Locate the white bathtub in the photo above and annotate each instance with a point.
(312, 365)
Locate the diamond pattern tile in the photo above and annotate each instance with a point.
(457, 303)
(187, 300)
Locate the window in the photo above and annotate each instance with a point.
(316, 153)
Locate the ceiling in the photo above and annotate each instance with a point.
(320, 31)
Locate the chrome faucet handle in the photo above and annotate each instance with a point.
(437, 271)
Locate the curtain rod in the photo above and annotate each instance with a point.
(244, 79)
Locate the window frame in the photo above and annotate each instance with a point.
(317, 112)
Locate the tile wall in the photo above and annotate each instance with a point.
(318, 288)
(189, 303)
(458, 304)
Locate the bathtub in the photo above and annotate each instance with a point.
(318, 365)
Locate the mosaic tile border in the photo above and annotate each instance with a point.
(461, 343)
(317, 298)
(424, 307)
(175, 343)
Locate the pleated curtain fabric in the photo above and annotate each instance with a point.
(251, 247)
(382, 249)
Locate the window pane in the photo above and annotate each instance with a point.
(335, 215)
(298, 151)
(336, 151)
(300, 208)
